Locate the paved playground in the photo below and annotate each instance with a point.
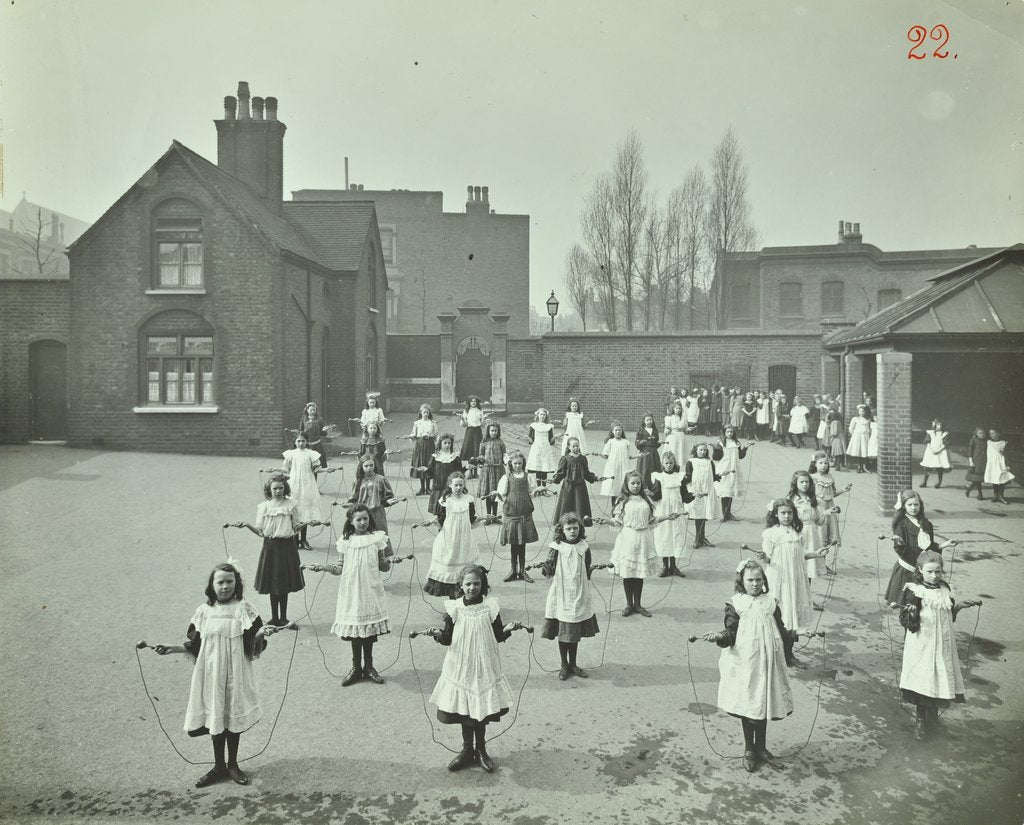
(103, 549)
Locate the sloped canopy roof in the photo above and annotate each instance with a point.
(985, 296)
(336, 230)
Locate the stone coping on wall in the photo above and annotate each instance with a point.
(730, 333)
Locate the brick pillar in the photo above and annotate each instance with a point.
(447, 337)
(829, 374)
(853, 386)
(893, 417)
(499, 361)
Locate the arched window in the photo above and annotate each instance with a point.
(176, 354)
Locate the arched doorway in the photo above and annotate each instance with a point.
(48, 390)
(782, 377)
(472, 369)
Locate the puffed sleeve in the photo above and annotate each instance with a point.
(718, 453)
(910, 611)
(563, 466)
(715, 475)
(446, 632)
(588, 561)
(688, 474)
(591, 477)
(743, 452)
(472, 512)
(655, 490)
(530, 432)
(499, 629)
(732, 623)
(261, 516)
(551, 435)
(253, 647)
(788, 636)
(503, 486)
(550, 563)
(388, 491)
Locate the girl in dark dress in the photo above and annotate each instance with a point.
(977, 457)
(647, 443)
(574, 474)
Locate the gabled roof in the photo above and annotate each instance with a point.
(336, 230)
(253, 210)
(904, 316)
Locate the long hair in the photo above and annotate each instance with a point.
(624, 493)
(478, 570)
(812, 494)
(349, 528)
(487, 429)
(226, 567)
(569, 518)
(611, 429)
(772, 519)
(271, 480)
(901, 512)
(675, 461)
(654, 425)
(750, 564)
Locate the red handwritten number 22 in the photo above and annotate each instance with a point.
(918, 34)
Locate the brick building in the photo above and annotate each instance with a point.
(801, 287)
(438, 261)
(205, 311)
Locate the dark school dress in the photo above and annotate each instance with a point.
(908, 548)
(573, 474)
(978, 451)
(517, 525)
(438, 473)
(314, 432)
(649, 461)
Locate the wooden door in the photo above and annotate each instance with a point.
(48, 388)
(473, 375)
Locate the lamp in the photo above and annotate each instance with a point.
(552, 304)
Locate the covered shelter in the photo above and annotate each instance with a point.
(953, 350)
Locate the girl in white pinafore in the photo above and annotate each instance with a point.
(860, 432)
(996, 472)
(670, 496)
(454, 546)
(634, 555)
(542, 459)
(300, 466)
(700, 478)
(675, 431)
(574, 426)
(616, 451)
(727, 455)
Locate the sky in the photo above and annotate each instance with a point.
(835, 121)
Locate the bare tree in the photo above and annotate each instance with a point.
(598, 225)
(729, 224)
(45, 252)
(692, 201)
(629, 201)
(578, 277)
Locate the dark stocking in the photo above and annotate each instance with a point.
(520, 555)
(939, 482)
(467, 737)
(726, 507)
(701, 524)
(357, 649)
(367, 645)
(302, 535)
(275, 609)
(748, 733)
(638, 591)
(573, 646)
(218, 750)
(481, 736)
(282, 600)
(232, 741)
(760, 732)
(542, 479)
(492, 506)
(563, 653)
(627, 588)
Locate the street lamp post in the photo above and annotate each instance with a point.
(552, 304)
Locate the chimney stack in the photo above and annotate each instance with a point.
(477, 200)
(243, 100)
(252, 148)
(849, 228)
(840, 230)
(484, 191)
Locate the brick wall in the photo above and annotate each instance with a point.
(523, 371)
(894, 427)
(111, 270)
(625, 375)
(30, 311)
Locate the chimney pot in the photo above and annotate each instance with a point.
(849, 228)
(243, 101)
(352, 187)
(271, 108)
(230, 107)
(856, 229)
(257, 108)
(476, 194)
(484, 190)
(360, 187)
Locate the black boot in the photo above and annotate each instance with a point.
(467, 756)
(665, 573)
(481, 748)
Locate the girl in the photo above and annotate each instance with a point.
(814, 418)
(763, 419)
(362, 612)
(372, 414)
(996, 472)
(673, 395)
(784, 549)
(373, 492)
(439, 469)
(736, 411)
(634, 555)
(616, 453)
(300, 468)
(912, 534)
(813, 516)
(825, 490)
(669, 536)
(931, 675)
(517, 527)
(225, 635)
(936, 452)
(372, 445)
(472, 419)
(860, 431)
(675, 429)
(780, 417)
(753, 683)
(704, 411)
(313, 428)
(691, 409)
(797, 422)
(454, 546)
(700, 480)
(872, 459)
(727, 455)
(647, 444)
(836, 440)
(569, 611)
(574, 475)
(574, 425)
(472, 689)
(492, 468)
(424, 433)
(977, 460)
(821, 433)
(749, 413)
(541, 460)
(278, 572)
